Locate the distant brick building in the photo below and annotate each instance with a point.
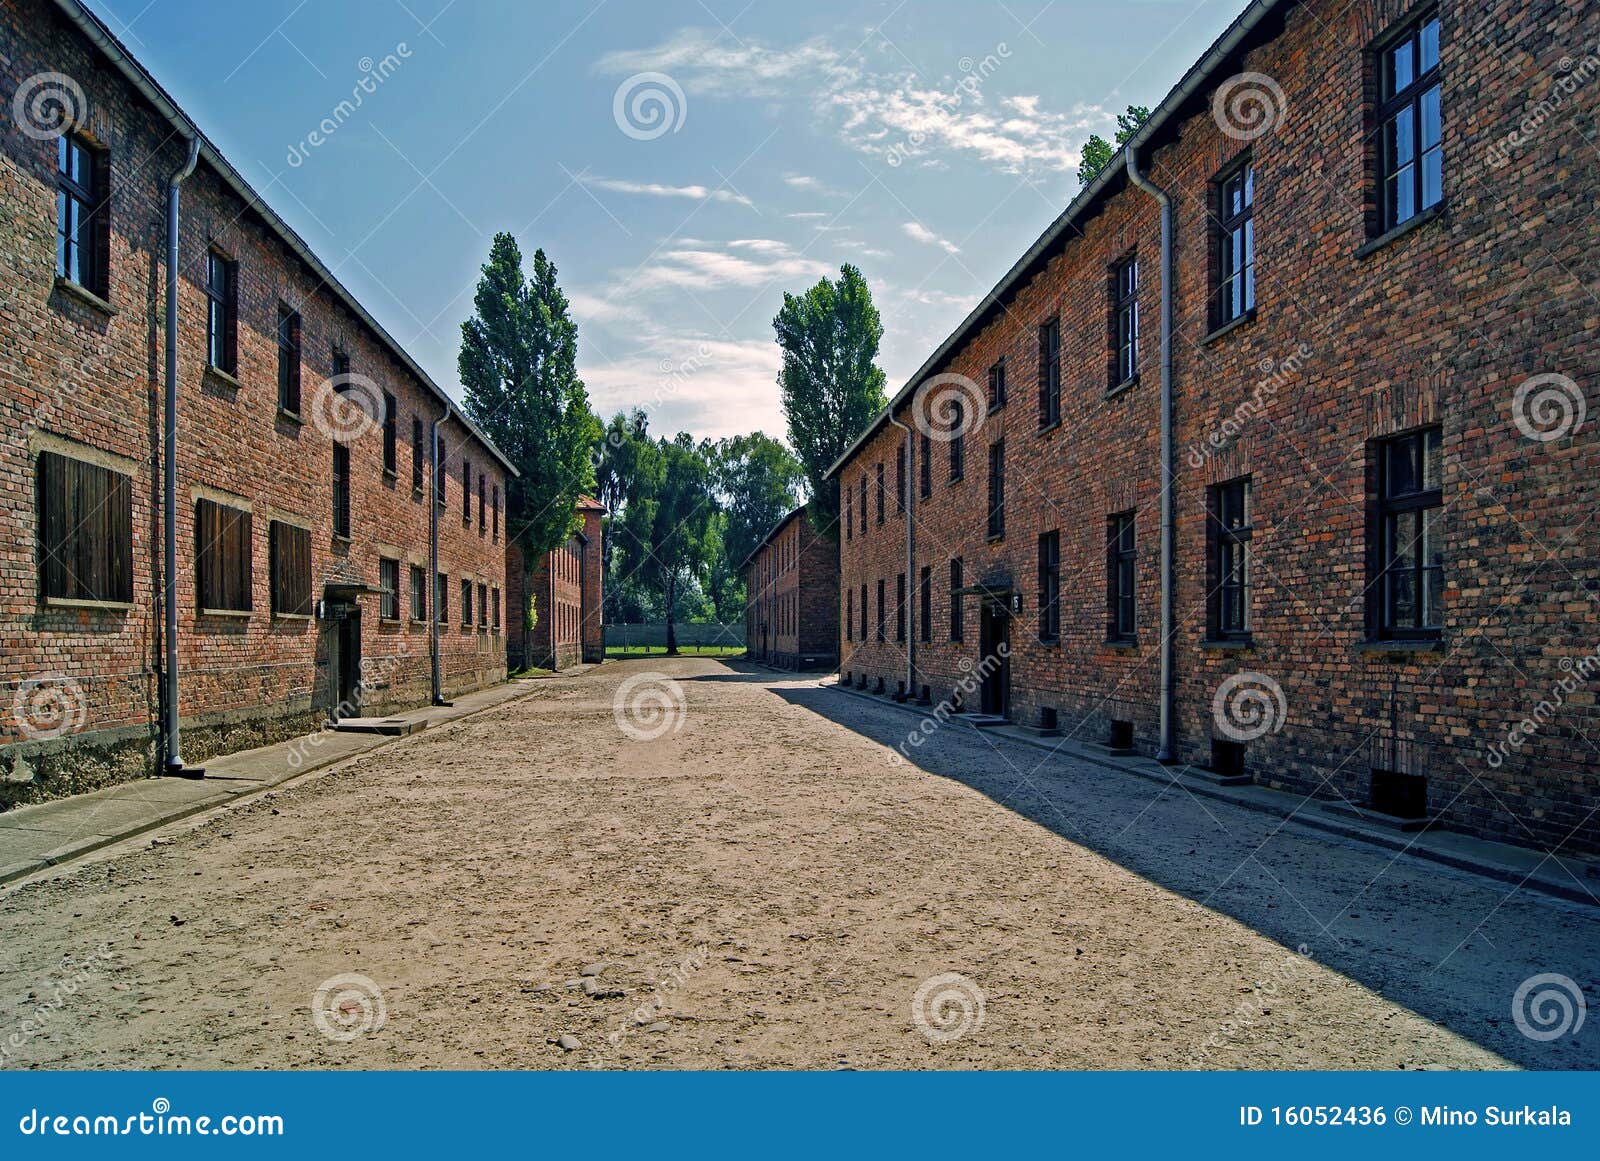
(792, 596)
(304, 448)
(1385, 564)
(564, 597)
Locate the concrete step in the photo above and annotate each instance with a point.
(389, 727)
(985, 721)
(1376, 818)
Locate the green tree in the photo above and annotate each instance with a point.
(667, 535)
(518, 363)
(617, 465)
(830, 383)
(1098, 152)
(758, 482)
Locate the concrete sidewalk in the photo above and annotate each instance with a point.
(35, 838)
(1563, 876)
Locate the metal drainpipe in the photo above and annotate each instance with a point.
(910, 498)
(173, 759)
(433, 557)
(1167, 752)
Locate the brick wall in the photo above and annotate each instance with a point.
(1349, 344)
(792, 593)
(85, 379)
(567, 590)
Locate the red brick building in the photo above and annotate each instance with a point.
(564, 599)
(1379, 489)
(304, 448)
(792, 596)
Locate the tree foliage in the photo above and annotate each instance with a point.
(667, 534)
(830, 383)
(518, 363)
(1098, 152)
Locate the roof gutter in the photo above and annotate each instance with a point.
(91, 27)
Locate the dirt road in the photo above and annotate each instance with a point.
(750, 883)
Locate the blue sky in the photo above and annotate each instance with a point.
(682, 163)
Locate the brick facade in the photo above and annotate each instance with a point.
(1355, 337)
(567, 588)
(83, 378)
(792, 596)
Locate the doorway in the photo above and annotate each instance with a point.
(344, 659)
(994, 661)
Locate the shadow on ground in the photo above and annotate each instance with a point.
(1451, 946)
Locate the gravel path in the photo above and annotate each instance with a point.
(758, 887)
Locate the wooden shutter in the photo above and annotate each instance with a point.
(222, 554)
(85, 531)
(290, 567)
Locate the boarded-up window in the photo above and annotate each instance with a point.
(222, 557)
(389, 582)
(289, 565)
(85, 531)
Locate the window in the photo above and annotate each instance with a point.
(341, 489)
(900, 480)
(1050, 586)
(1410, 156)
(494, 525)
(466, 604)
(882, 626)
(900, 607)
(85, 531)
(483, 519)
(222, 309)
(494, 598)
(419, 593)
(1229, 613)
(440, 476)
(997, 386)
(1236, 245)
(80, 194)
(288, 361)
(881, 492)
(863, 504)
(997, 489)
(1125, 321)
(863, 610)
(958, 442)
(849, 614)
(849, 514)
(483, 606)
(466, 492)
(222, 558)
(1120, 576)
(441, 598)
(925, 603)
(1410, 505)
(418, 454)
(389, 589)
(957, 601)
(925, 468)
(390, 419)
(1050, 373)
(289, 569)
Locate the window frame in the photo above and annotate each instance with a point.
(1387, 510)
(391, 416)
(1229, 544)
(997, 385)
(85, 239)
(1231, 226)
(418, 575)
(1125, 321)
(925, 604)
(289, 595)
(235, 531)
(1390, 106)
(388, 589)
(289, 354)
(222, 312)
(958, 604)
(341, 489)
(1050, 373)
(996, 506)
(1050, 587)
(1122, 577)
(72, 569)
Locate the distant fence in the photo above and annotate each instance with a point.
(640, 636)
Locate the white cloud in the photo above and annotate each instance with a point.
(713, 387)
(655, 189)
(917, 232)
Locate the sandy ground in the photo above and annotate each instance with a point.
(759, 887)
